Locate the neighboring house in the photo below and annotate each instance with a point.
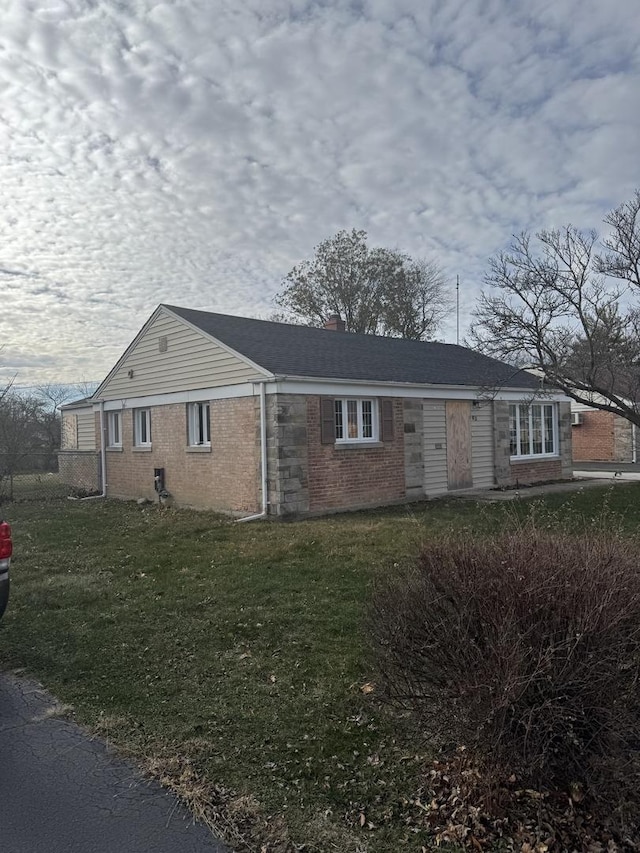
(600, 436)
(248, 416)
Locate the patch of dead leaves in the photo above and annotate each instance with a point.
(458, 805)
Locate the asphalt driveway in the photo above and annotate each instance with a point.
(62, 792)
(610, 467)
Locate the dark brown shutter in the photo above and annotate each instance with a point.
(387, 420)
(327, 420)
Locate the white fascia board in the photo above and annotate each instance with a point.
(198, 395)
(70, 407)
(593, 397)
(220, 343)
(583, 407)
(329, 387)
(340, 388)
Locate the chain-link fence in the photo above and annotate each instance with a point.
(45, 476)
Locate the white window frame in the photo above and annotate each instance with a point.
(545, 454)
(142, 427)
(199, 424)
(114, 429)
(341, 406)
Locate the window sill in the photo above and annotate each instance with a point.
(115, 449)
(357, 445)
(199, 448)
(536, 457)
(146, 449)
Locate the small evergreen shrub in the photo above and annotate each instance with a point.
(525, 648)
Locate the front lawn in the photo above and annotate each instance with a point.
(231, 659)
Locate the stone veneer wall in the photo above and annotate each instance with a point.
(623, 440)
(287, 462)
(501, 443)
(511, 473)
(413, 448)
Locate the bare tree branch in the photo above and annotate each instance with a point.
(557, 304)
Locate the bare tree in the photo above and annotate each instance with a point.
(375, 290)
(21, 436)
(85, 388)
(559, 305)
(6, 389)
(52, 396)
(621, 258)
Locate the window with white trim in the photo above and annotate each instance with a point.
(114, 429)
(199, 424)
(142, 427)
(533, 430)
(356, 420)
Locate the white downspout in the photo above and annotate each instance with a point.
(263, 456)
(103, 459)
(634, 444)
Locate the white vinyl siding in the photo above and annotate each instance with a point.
(79, 429)
(86, 430)
(435, 448)
(482, 445)
(189, 361)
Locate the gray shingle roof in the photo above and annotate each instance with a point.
(83, 401)
(288, 350)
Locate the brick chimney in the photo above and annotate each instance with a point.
(335, 323)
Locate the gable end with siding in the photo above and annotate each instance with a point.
(170, 355)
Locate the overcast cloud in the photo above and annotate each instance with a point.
(193, 151)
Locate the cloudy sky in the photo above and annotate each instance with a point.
(192, 151)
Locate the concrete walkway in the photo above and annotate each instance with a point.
(63, 792)
(582, 480)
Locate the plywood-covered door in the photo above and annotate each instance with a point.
(459, 469)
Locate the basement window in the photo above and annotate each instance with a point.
(199, 424)
(533, 430)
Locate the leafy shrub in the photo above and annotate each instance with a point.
(525, 648)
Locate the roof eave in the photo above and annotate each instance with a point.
(486, 389)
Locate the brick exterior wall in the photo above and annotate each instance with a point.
(225, 478)
(342, 477)
(525, 473)
(304, 475)
(602, 437)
